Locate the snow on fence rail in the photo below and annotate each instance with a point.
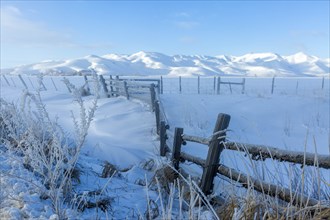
(217, 143)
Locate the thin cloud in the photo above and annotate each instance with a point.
(187, 24)
(310, 33)
(17, 29)
(182, 14)
(187, 40)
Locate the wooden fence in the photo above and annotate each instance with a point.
(216, 86)
(199, 85)
(212, 164)
(217, 143)
(148, 90)
(143, 89)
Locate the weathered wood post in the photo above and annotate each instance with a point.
(297, 85)
(218, 85)
(243, 86)
(213, 156)
(177, 147)
(116, 83)
(158, 86)
(111, 87)
(64, 79)
(24, 84)
(126, 89)
(87, 85)
(6, 80)
(161, 85)
(153, 96)
(42, 83)
(273, 84)
(157, 114)
(104, 86)
(198, 84)
(214, 83)
(51, 78)
(322, 82)
(31, 83)
(162, 137)
(180, 89)
(13, 81)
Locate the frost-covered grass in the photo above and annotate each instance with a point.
(46, 149)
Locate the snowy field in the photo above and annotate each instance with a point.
(294, 117)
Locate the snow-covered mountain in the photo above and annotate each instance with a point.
(151, 63)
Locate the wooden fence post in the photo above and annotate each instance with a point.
(322, 82)
(214, 83)
(104, 86)
(31, 83)
(87, 85)
(161, 85)
(213, 156)
(218, 85)
(297, 85)
(67, 85)
(116, 85)
(53, 83)
(198, 84)
(243, 86)
(42, 83)
(180, 89)
(24, 84)
(177, 147)
(273, 84)
(13, 81)
(153, 96)
(6, 80)
(126, 89)
(162, 137)
(158, 86)
(111, 87)
(157, 114)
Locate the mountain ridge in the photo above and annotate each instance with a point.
(154, 63)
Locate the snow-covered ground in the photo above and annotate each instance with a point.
(123, 133)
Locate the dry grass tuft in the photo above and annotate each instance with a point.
(227, 210)
(323, 214)
(165, 176)
(108, 170)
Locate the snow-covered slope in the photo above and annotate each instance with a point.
(151, 63)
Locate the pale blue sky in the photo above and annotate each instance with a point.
(33, 31)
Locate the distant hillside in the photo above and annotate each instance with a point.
(151, 63)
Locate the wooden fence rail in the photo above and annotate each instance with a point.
(211, 165)
(262, 152)
(283, 193)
